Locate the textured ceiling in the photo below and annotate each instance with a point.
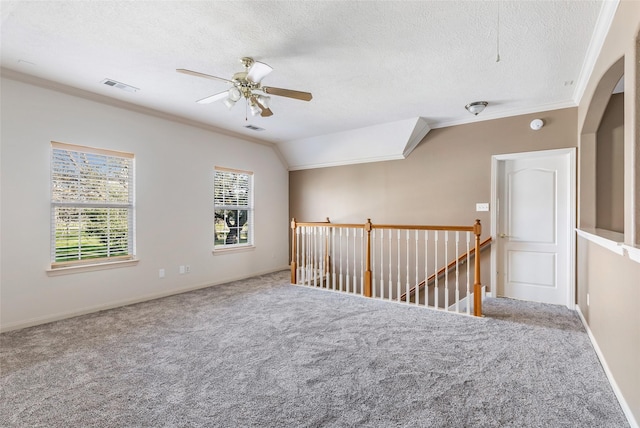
(366, 62)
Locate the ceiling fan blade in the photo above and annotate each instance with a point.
(213, 98)
(206, 76)
(298, 95)
(266, 112)
(258, 71)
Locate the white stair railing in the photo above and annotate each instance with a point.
(418, 265)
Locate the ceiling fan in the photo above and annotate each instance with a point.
(245, 84)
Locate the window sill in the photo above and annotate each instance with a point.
(221, 251)
(91, 267)
(612, 241)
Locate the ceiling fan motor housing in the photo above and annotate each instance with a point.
(243, 84)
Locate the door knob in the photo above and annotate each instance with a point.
(502, 235)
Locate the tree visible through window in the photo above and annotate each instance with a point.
(92, 205)
(233, 208)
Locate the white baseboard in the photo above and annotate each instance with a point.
(616, 390)
(464, 300)
(63, 315)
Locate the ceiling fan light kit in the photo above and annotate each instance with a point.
(264, 100)
(247, 84)
(234, 94)
(476, 107)
(254, 108)
(229, 103)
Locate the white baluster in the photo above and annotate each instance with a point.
(417, 294)
(426, 268)
(390, 294)
(408, 238)
(382, 263)
(326, 254)
(398, 282)
(325, 258)
(310, 257)
(374, 278)
(305, 255)
(347, 282)
(303, 251)
(319, 248)
(355, 245)
(457, 273)
(446, 270)
(321, 261)
(362, 262)
(297, 255)
(341, 284)
(315, 257)
(435, 269)
(333, 258)
(468, 274)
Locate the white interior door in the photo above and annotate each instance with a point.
(535, 226)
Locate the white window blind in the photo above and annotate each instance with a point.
(233, 208)
(92, 205)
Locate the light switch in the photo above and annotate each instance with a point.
(482, 206)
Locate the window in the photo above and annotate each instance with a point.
(92, 205)
(233, 208)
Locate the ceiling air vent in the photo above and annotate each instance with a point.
(254, 128)
(124, 87)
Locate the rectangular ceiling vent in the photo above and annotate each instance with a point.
(123, 86)
(254, 128)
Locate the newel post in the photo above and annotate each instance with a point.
(477, 286)
(367, 273)
(294, 269)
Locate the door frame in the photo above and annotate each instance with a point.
(496, 160)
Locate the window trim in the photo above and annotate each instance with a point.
(250, 208)
(97, 263)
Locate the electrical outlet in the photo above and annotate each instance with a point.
(161, 273)
(181, 269)
(187, 269)
(484, 206)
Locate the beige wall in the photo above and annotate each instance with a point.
(612, 281)
(174, 194)
(619, 56)
(613, 284)
(439, 183)
(610, 167)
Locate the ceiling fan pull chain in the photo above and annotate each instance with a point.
(498, 34)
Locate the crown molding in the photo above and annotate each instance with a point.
(507, 113)
(346, 162)
(603, 25)
(92, 96)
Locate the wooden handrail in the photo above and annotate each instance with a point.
(418, 227)
(387, 226)
(460, 259)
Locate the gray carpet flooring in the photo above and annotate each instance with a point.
(263, 353)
